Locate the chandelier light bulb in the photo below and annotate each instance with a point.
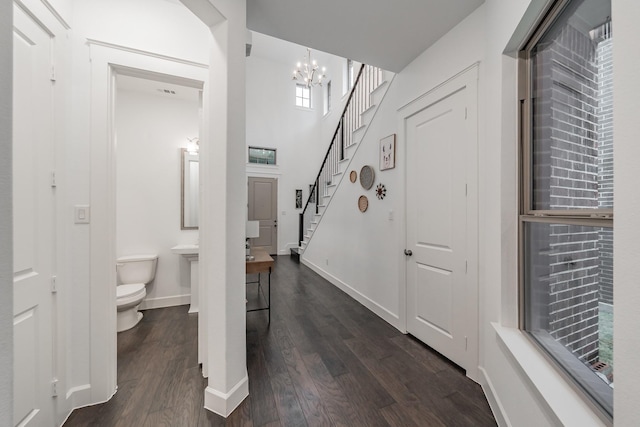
(307, 74)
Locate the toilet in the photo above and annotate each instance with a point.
(134, 273)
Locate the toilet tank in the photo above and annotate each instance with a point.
(136, 269)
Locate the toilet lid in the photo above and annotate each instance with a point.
(123, 291)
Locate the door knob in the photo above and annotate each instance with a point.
(408, 252)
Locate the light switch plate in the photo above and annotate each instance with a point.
(81, 214)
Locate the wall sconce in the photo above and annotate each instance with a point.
(193, 146)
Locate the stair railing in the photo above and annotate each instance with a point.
(367, 80)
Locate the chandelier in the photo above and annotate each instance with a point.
(308, 73)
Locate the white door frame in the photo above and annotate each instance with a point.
(107, 60)
(468, 79)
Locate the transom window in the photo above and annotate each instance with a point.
(264, 156)
(303, 96)
(350, 75)
(566, 215)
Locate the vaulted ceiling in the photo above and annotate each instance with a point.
(386, 33)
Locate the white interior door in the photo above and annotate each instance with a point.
(263, 207)
(33, 222)
(437, 226)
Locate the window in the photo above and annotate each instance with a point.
(327, 98)
(264, 156)
(350, 76)
(566, 215)
(303, 96)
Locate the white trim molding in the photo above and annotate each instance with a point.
(106, 62)
(225, 403)
(162, 302)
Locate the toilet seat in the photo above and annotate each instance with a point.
(129, 293)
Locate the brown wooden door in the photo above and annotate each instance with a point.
(263, 207)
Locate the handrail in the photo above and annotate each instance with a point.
(333, 140)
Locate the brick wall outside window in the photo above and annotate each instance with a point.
(573, 168)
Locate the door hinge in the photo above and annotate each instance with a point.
(53, 73)
(53, 179)
(54, 387)
(466, 343)
(466, 190)
(465, 113)
(54, 286)
(466, 266)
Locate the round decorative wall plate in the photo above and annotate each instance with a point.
(353, 176)
(381, 191)
(367, 176)
(363, 203)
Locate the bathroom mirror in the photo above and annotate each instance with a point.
(189, 191)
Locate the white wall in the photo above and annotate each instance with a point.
(360, 249)
(626, 14)
(151, 129)
(301, 136)
(343, 245)
(164, 27)
(6, 245)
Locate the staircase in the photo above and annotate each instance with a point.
(368, 91)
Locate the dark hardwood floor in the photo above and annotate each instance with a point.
(325, 360)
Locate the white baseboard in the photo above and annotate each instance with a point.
(224, 404)
(76, 397)
(386, 315)
(163, 302)
(80, 396)
(493, 399)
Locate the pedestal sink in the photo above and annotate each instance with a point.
(190, 252)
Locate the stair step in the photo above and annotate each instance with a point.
(367, 115)
(378, 93)
(381, 85)
(356, 131)
(295, 254)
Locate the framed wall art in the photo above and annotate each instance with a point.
(388, 152)
(298, 199)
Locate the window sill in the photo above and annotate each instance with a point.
(564, 403)
(297, 107)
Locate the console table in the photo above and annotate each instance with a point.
(261, 263)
